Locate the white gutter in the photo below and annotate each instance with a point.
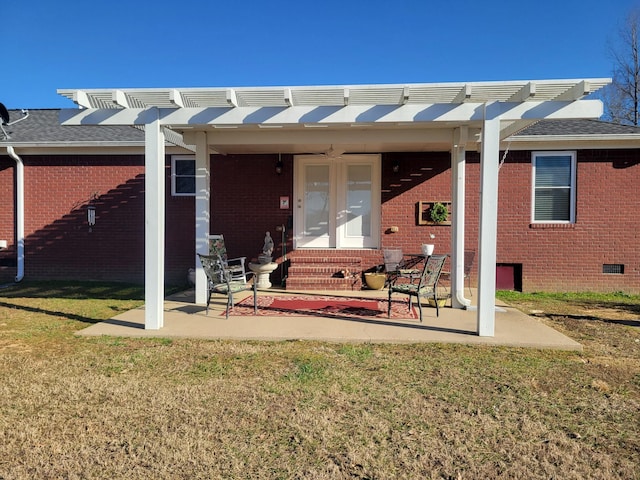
(19, 212)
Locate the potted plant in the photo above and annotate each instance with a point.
(375, 278)
(439, 212)
(442, 301)
(427, 248)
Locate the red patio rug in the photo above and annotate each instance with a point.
(323, 306)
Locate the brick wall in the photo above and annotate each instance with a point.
(557, 257)
(246, 191)
(421, 177)
(570, 257)
(7, 227)
(58, 241)
(245, 203)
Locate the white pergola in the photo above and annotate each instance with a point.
(451, 117)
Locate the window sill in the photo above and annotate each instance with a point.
(552, 226)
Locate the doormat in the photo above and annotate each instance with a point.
(323, 306)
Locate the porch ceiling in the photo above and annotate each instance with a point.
(352, 118)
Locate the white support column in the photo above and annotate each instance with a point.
(488, 221)
(458, 152)
(154, 228)
(202, 212)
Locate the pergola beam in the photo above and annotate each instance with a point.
(223, 137)
(120, 99)
(579, 90)
(464, 94)
(526, 93)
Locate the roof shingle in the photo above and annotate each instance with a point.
(43, 126)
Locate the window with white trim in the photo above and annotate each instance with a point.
(183, 175)
(554, 187)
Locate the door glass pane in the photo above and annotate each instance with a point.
(316, 202)
(358, 200)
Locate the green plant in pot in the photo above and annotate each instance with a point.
(439, 212)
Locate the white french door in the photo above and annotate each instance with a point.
(337, 201)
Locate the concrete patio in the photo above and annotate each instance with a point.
(184, 319)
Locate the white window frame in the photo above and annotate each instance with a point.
(174, 159)
(572, 186)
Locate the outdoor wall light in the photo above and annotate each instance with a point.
(395, 167)
(279, 165)
(91, 216)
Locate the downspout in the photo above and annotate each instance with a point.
(458, 180)
(19, 212)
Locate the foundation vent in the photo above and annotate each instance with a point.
(613, 268)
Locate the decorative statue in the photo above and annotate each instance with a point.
(268, 245)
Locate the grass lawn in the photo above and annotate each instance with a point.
(81, 407)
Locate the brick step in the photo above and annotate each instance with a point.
(322, 270)
(323, 283)
(317, 270)
(347, 260)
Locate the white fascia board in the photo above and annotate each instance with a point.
(336, 115)
(91, 148)
(574, 142)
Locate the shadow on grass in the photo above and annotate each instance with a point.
(80, 290)
(53, 313)
(595, 305)
(74, 290)
(591, 318)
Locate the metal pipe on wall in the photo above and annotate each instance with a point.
(19, 212)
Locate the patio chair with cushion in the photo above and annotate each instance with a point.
(220, 280)
(425, 288)
(235, 265)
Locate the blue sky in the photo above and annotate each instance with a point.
(210, 43)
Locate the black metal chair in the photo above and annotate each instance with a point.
(395, 265)
(225, 281)
(426, 287)
(235, 265)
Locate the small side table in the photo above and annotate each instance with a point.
(262, 272)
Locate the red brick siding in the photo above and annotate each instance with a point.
(58, 243)
(570, 258)
(245, 203)
(7, 225)
(422, 177)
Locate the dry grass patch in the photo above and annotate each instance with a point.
(78, 407)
